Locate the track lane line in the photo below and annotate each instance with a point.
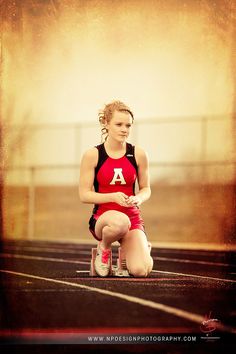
(193, 317)
(61, 260)
(195, 276)
(84, 252)
(133, 299)
(46, 249)
(180, 260)
(38, 258)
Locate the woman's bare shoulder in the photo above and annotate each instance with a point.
(139, 151)
(140, 154)
(91, 155)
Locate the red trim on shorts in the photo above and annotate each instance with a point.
(137, 227)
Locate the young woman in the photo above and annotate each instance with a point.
(107, 179)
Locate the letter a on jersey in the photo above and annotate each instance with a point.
(118, 176)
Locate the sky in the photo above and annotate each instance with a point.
(162, 58)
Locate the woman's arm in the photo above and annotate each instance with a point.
(86, 189)
(144, 192)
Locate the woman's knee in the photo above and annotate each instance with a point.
(112, 224)
(120, 224)
(141, 269)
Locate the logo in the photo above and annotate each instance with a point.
(209, 325)
(118, 176)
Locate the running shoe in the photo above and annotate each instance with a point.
(102, 262)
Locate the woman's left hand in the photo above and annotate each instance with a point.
(134, 200)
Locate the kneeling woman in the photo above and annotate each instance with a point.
(107, 179)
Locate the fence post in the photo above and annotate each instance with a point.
(31, 204)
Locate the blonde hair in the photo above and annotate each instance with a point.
(105, 114)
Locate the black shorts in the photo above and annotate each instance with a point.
(92, 223)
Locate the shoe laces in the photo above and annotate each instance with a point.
(106, 256)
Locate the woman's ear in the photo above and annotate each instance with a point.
(106, 125)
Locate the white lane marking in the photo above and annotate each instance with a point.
(133, 299)
(148, 303)
(186, 251)
(9, 255)
(192, 261)
(80, 252)
(46, 250)
(195, 276)
(38, 258)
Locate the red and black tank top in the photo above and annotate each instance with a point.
(115, 175)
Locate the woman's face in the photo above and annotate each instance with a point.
(119, 126)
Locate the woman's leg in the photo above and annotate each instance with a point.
(111, 226)
(137, 253)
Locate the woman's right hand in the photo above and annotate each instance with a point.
(121, 199)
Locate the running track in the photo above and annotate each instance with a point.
(47, 297)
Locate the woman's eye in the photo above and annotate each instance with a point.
(120, 124)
